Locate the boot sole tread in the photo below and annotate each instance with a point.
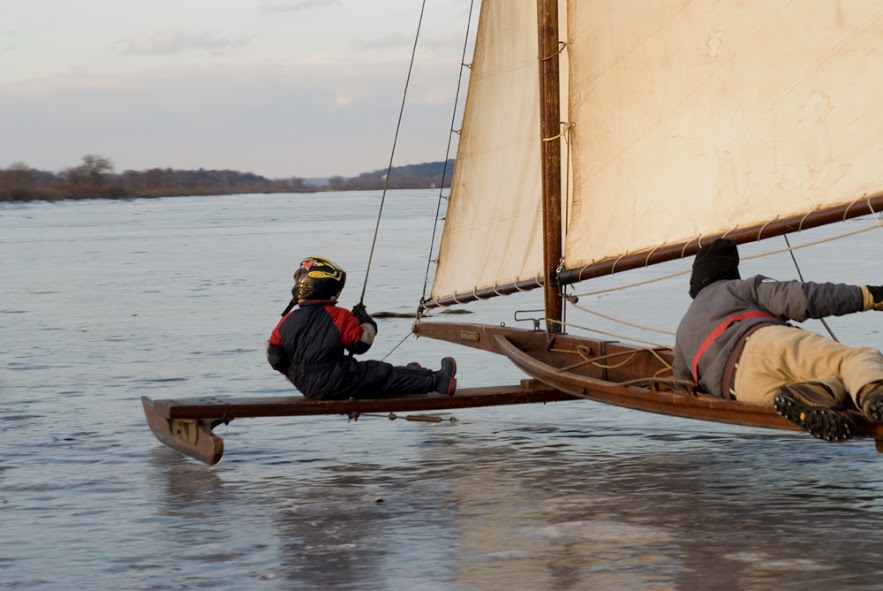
(824, 423)
(874, 411)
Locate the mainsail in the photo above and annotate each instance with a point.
(684, 120)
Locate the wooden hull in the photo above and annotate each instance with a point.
(617, 374)
(186, 424)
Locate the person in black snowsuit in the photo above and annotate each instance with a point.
(310, 344)
(736, 341)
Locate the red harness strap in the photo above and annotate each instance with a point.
(718, 331)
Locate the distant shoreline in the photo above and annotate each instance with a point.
(95, 179)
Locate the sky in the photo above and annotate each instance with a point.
(280, 88)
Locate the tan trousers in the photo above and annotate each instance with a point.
(778, 355)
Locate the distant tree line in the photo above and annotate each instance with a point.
(412, 176)
(95, 178)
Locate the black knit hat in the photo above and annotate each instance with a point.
(719, 260)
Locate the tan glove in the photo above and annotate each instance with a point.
(873, 297)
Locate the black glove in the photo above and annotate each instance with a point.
(362, 315)
(876, 296)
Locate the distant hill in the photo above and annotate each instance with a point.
(427, 175)
(95, 179)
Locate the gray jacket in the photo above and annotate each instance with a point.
(741, 301)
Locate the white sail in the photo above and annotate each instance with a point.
(493, 222)
(697, 118)
(688, 119)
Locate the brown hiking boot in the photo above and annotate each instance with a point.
(872, 402)
(813, 407)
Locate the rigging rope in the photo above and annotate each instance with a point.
(399, 344)
(392, 153)
(621, 321)
(444, 169)
(618, 336)
(565, 213)
(800, 275)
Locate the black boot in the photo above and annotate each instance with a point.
(813, 406)
(872, 402)
(445, 382)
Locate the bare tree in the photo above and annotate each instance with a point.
(93, 171)
(18, 174)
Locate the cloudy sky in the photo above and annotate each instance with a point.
(280, 88)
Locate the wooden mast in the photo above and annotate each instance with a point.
(550, 118)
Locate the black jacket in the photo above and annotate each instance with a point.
(310, 345)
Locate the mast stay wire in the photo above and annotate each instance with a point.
(444, 170)
(392, 153)
(800, 275)
(451, 133)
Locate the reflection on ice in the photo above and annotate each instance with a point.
(602, 531)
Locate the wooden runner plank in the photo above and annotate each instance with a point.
(529, 391)
(186, 424)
